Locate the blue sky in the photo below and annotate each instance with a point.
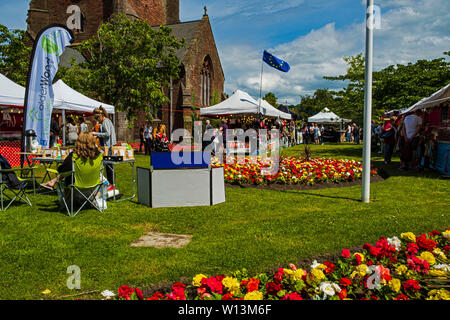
(313, 36)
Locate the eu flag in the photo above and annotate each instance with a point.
(276, 63)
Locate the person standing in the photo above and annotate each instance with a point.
(72, 130)
(148, 138)
(355, 133)
(316, 134)
(83, 125)
(141, 138)
(108, 135)
(321, 131)
(411, 127)
(223, 129)
(54, 131)
(388, 134)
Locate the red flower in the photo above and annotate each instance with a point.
(273, 288)
(412, 248)
(214, 284)
(425, 243)
(345, 282)
(139, 294)
(125, 292)
(401, 297)
(228, 296)
(411, 285)
(345, 253)
(279, 275)
(434, 233)
(330, 267)
(156, 296)
(292, 296)
(342, 294)
(358, 259)
(252, 285)
(446, 249)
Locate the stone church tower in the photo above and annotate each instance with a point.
(202, 78)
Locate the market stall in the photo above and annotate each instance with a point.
(437, 118)
(328, 117)
(66, 100)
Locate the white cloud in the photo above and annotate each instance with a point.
(410, 30)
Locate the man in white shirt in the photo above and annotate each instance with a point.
(411, 126)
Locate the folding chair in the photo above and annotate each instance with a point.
(16, 190)
(82, 184)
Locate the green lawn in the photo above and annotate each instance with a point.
(253, 229)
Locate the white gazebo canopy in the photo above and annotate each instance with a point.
(11, 94)
(326, 116)
(268, 110)
(67, 98)
(239, 103)
(434, 100)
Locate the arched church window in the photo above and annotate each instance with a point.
(206, 82)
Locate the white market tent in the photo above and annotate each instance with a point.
(242, 103)
(67, 98)
(326, 116)
(11, 94)
(239, 103)
(434, 100)
(268, 110)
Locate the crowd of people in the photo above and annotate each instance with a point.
(408, 135)
(73, 128)
(153, 139)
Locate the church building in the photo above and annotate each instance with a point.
(201, 80)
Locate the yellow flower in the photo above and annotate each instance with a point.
(232, 284)
(197, 281)
(317, 274)
(46, 291)
(438, 273)
(408, 236)
(439, 253)
(298, 274)
(395, 285)
(446, 234)
(362, 269)
(401, 270)
(441, 294)
(428, 256)
(254, 295)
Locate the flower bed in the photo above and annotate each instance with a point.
(405, 268)
(292, 171)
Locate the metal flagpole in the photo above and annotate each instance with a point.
(260, 89)
(367, 103)
(64, 126)
(170, 115)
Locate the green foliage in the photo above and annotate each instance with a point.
(215, 98)
(271, 98)
(310, 105)
(128, 63)
(394, 87)
(14, 54)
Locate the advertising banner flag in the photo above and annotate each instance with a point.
(49, 45)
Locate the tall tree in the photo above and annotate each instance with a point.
(14, 54)
(128, 64)
(271, 98)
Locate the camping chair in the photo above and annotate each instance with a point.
(16, 186)
(82, 183)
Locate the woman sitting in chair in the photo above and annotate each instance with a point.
(85, 150)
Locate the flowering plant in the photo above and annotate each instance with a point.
(292, 170)
(388, 270)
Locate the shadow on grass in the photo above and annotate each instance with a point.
(320, 195)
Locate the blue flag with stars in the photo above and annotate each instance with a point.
(276, 63)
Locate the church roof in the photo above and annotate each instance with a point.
(184, 30)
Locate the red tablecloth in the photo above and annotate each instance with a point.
(10, 150)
